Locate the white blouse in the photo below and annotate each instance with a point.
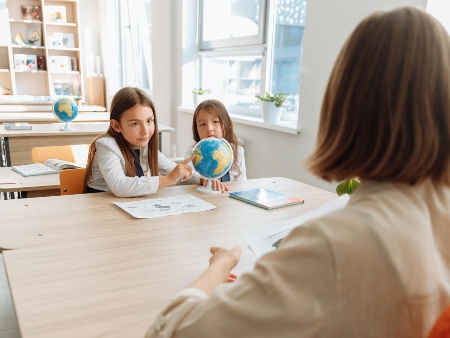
(108, 171)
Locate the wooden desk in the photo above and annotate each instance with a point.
(108, 274)
(34, 186)
(17, 144)
(45, 117)
(79, 217)
(10, 107)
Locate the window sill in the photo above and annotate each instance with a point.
(282, 126)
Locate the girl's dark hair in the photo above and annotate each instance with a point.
(215, 107)
(125, 99)
(386, 110)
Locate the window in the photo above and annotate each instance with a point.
(249, 47)
(130, 44)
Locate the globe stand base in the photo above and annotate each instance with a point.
(67, 127)
(208, 189)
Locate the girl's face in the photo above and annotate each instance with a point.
(208, 125)
(137, 125)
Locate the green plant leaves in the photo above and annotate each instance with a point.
(201, 91)
(347, 187)
(279, 98)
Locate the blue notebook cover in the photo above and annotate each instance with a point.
(266, 199)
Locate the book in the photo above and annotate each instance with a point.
(34, 33)
(17, 126)
(55, 13)
(266, 199)
(60, 63)
(50, 166)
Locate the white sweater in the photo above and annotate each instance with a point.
(108, 171)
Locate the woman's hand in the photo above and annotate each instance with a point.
(182, 170)
(227, 258)
(219, 271)
(216, 185)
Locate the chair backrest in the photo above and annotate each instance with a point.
(73, 153)
(441, 328)
(71, 181)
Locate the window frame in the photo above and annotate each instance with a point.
(250, 40)
(243, 47)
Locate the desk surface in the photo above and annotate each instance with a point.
(108, 274)
(45, 117)
(75, 217)
(53, 129)
(10, 107)
(30, 183)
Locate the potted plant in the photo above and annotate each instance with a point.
(78, 100)
(199, 95)
(271, 106)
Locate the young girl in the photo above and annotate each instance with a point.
(126, 160)
(380, 266)
(211, 119)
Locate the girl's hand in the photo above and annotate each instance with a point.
(216, 185)
(182, 170)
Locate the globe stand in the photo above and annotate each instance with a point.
(208, 189)
(67, 127)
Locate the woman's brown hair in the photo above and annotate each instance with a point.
(386, 110)
(215, 107)
(125, 99)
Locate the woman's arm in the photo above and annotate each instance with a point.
(220, 265)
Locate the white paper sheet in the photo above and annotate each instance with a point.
(263, 239)
(159, 207)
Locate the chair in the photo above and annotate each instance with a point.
(71, 181)
(72, 153)
(441, 328)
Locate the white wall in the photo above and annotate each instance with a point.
(90, 16)
(440, 9)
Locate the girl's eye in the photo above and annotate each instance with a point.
(201, 124)
(216, 121)
(149, 120)
(135, 124)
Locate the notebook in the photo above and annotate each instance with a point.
(50, 166)
(266, 199)
(17, 126)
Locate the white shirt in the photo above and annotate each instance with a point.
(380, 267)
(108, 171)
(234, 174)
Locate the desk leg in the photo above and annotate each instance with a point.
(160, 141)
(5, 159)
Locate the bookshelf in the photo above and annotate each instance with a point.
(40, 54)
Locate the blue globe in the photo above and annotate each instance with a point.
(213, 157)
(65, 110)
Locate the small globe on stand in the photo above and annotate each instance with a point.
(65, 110)
(213, 159)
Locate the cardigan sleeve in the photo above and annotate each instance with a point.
(287, 295)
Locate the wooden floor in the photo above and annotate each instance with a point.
(8, 321)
